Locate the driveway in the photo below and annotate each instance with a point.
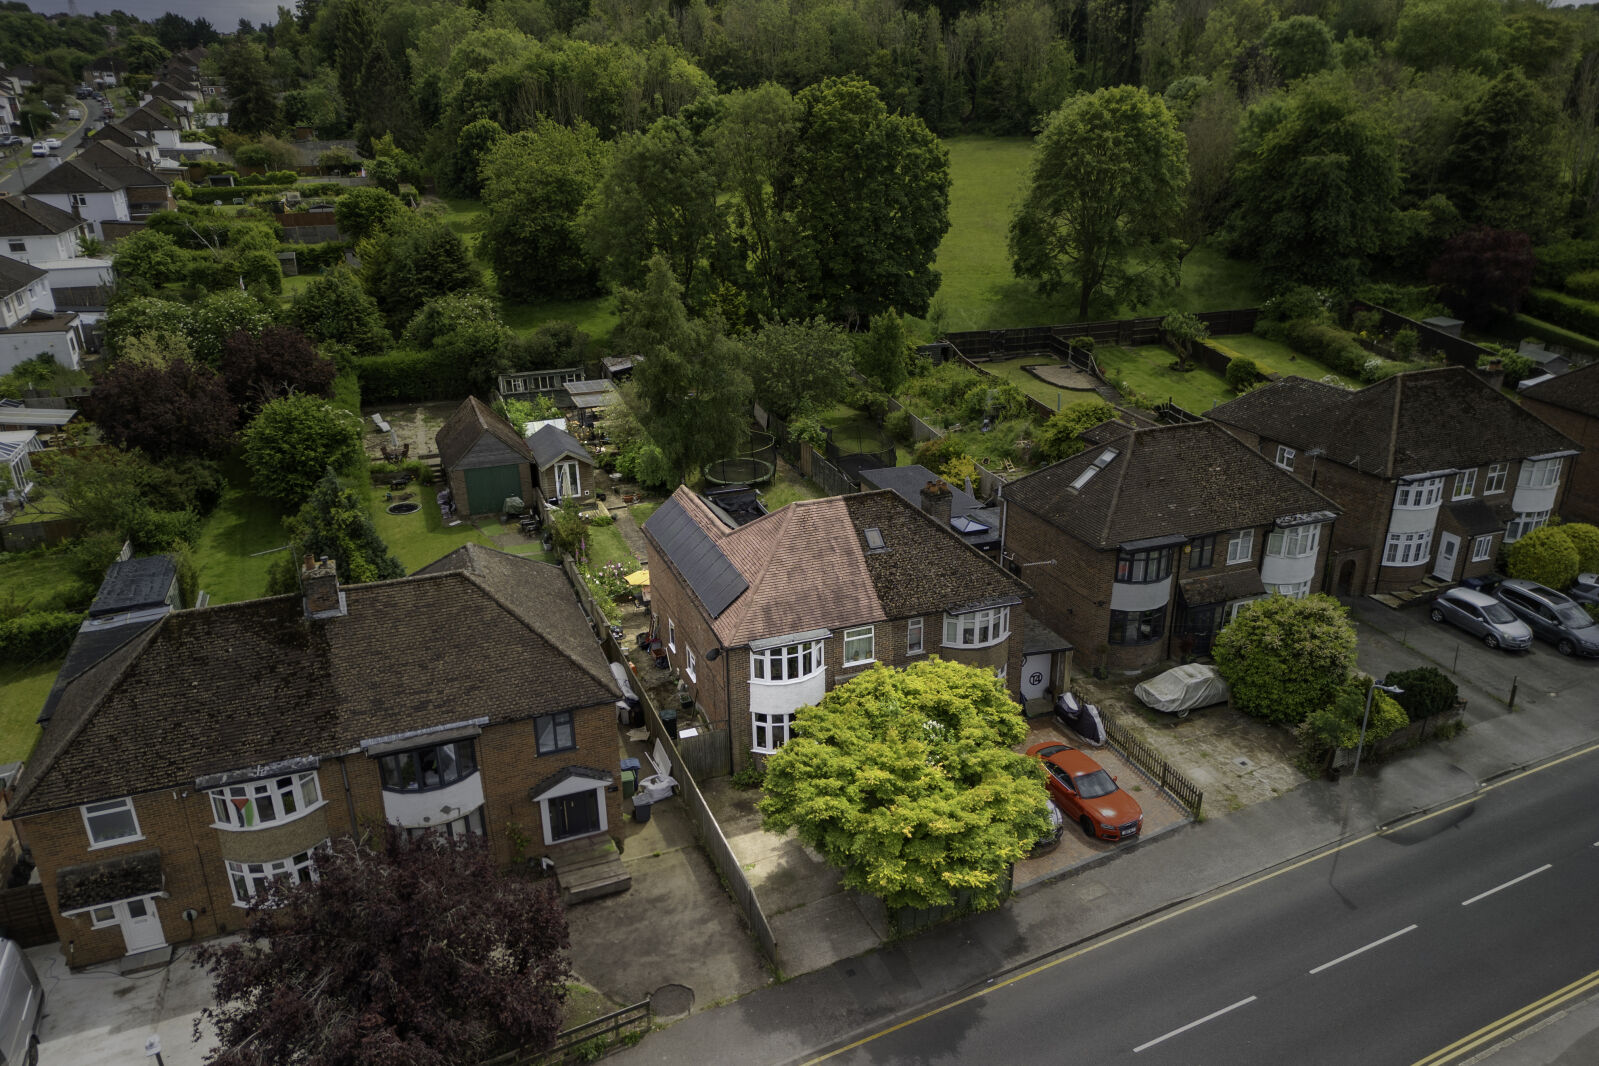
(97, 1017)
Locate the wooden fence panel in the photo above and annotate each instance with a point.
(708, 755)
(25, 916)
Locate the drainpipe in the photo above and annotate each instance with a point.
(349, 798)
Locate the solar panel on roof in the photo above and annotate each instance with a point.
(710, 574)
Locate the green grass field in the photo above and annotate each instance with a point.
(421, 537)
(243, 525)
(606, 546)
(37, 579)
(1147, 370)
(1276, 357)
(22, 693)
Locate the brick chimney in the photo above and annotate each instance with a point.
(319, 581)
(936, 501)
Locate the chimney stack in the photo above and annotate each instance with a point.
(319, 581)
(936, 501)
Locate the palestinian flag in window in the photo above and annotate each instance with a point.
(246, 808)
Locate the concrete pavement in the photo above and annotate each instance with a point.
(854, 997)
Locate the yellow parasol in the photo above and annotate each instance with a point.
(639, 577)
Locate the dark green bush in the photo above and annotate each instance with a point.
(1325, 343)
(1562, 310)
(407, 376)
(1427, 692)
(1558, 261)
(38, 635)
(314, 257)
(1583, 284)
(1243, 372)
(897, 424)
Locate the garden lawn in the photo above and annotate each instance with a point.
(1147, 371)
(786, 487)
(22, 693)
(641, 511)
(1276, 357)
(37, 579)
(421, 537)
(1050, 395)
(606, 546)
(596, 317)
(242, 525)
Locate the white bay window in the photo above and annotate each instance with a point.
(977, 629)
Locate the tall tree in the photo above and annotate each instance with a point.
(408, 264)
(397, 951)
(174, 408)
(279, 361)
(293, 441)
(1107, 186)
(252, 99)
(464, 328)
(1484, 272)
(751, 138)
(906, 781)
(798, 364)
(883, 353)
(1499, 171)
(335, 307)
(334, 524)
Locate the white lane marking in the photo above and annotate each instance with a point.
(1507, 884)
(1196, 1021)
(1357, 951)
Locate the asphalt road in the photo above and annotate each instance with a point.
(19, 168)
(1384, 951)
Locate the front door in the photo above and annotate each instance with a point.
(141, 926)
(1443, 567)
(1199, 628)
(1035, 675)
(575, 815)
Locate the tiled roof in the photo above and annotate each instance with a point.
(1412, 423)
(74, 176)
(807, 566)
(16, 275)
(223, 688)
(1577, 390)
(1188, 479)
(549, 443)
(109, 880)
(469, 422)
(148, 118)
(27, 216)
(121, 163)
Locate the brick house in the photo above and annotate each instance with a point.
(1570, 403)
(565, 468)
(1145, 544)
(765, 618)
(470, 697)
(1434, 469)
(484, 459)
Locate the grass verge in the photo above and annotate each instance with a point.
(22, 693)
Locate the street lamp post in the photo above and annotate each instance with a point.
(1371, 690)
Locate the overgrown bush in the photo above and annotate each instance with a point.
(1405, 343)
(1336, 725)
(1285, 658)
(938, 453)
(1427, 692)
(406, 375)
(1585, 538)
(1559, 261)
(38, 635)
(1584, 283)
(1518, 368)
(1546, 556)
(1061, 437)
(897, 424)
(1323, 342)
(1243, 374)
(1301, 303)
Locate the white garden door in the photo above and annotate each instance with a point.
(1443, 568)
(567, 482)
(141, 926)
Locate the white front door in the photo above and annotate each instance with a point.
(1443, 567)
(567, 482)
(1035, 676)
(141, 926)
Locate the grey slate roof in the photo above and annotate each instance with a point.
(550, 443)
(907, 482)
(469, 422)
(710, 574)
(221, 688)
(134, 584)
(73, 176)
(16, 275)
(1412, 423)
(27, 216)
(1186, 480)
(1577, 390)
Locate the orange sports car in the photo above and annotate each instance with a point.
(1086, 793)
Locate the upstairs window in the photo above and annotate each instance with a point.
(1495, 482)
(1202, 553)
(859, 646)
(913, 637)
(112, 822)
(791, 662)
(555, 732)
(1295, 543)
(1241, 547)
(1543, 474)
(976, 629)
(1418, 494)
(424, 769)
(269, 802)
(1465, 485)
(1285, 457)
(1144, 567)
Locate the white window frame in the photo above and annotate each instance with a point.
(977, 629)
(688, 664)
(1296, 542)
(1482, 547)
(80, 199)
(1525, 522)
(1465, 484)
(1238, 605)
(17, 247)
(110, 807)
(776, 726)
(225, 814)
(97, 922)
(671, 636)
(1241, 547)
(855, 636)
(1285, 457)
(787, 663)
(1419, 495)
(1296, 591)
(303, 862)
(915, 639)
(1407, 549)
(1495, 481)
(1540, 474)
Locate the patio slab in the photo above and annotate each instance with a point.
(819, 935)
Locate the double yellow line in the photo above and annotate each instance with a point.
(1513, 1021)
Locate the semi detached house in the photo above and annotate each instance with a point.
(216, 750)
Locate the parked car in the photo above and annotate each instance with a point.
(40, 148)
(1585, 589)
(1087, 794)
(74, 113)
(51, 143)
(1484, 617)
(1552, 615)
(10, 140)
(21, 996)
(1050, 840)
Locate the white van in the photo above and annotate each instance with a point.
(21, 1002)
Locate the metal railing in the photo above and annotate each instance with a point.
(577, 1044)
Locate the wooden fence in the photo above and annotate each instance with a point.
(25, 916)
(1055, 340)
(25, 536)
(1162, 773)
(584, 1043)
(832, 480)
(1457, 351)
(708, 755)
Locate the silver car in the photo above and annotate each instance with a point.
(1552, 616)
(1482, 616)
(1585, 589)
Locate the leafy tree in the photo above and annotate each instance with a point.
(1455, 33)
(906, 781)
(1585, 538)
(883, 354)
(657, 196)
(472, 145)
(1061, 437)
(1483, 272)
(1298, 45)
(795, 364)
(364, 211)
(176, 408)
(218, 316)
(279, 361)
(465, 328)
(535, 184)
(252, 101)
(1183, 328)
(1108, 176)
(470, 958)
(145, 261)
(334, 523)
(552, 345)
(1285, 658)
(1336, 725)
(1499, 170)
(752, 137)
(1316, 180)
(289, 444)
(692, 386)
(405, 266)
(1243, 373)
(335, 307)
(1546, 556)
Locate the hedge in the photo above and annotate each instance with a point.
(1550, 333)
(1568, 311)
(314, 257)
(410, 376)
(38, 635)
(1326, 344)
(1555, 262)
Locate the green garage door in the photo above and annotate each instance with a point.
(487, 487)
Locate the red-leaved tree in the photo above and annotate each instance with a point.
(172, 409)
(1483, 272)
(401, 952)
(279, 361)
